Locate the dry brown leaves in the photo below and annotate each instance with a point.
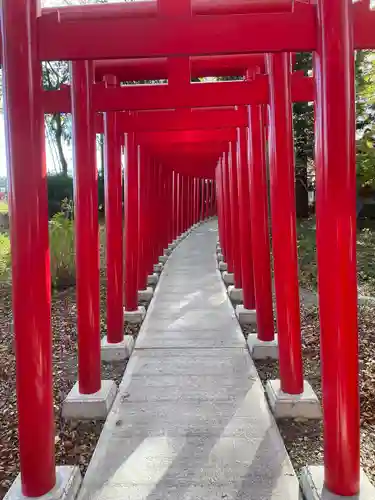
(304, 440)
(75, 441)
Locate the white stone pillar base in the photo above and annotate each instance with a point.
(68, 482)
(312, 484)
(117, 352)
(95, 406)
(145, 295)
(246, 316)
(135, 317)
(228, 278)
(235, 294)
(260, 349)
(283, 405)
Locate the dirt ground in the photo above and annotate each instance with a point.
(304, 439)
(75, 441)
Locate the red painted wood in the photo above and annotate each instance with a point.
(147, 97)
(157, 69)
(31, 281)
(131, 223)
(336, 248)
(234, 213)
(283, 211)
(150, 8)
(123, 37)
(260, 239)
(244, 220)
(114, 228)
(86, 230)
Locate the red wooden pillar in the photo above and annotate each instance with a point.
(180, 205)
(244, 220)
(185, 202)
(165, 208)
(191, 201)
(227, 214)
(31, 282)
(170, 207)
(175, 205)
(259, 225)
(181, 197)
(212, 201)
(222, 209)
(198, 187)
(143, 220)
(145, 202)
(86, 229)
(158, 211)
(131, 223)
(155, 210)
(336, 245)
(201, 196)
(234, 213)
(188, 204)
(218, 190)
(206, 198)
(194, 200)
(199, 199)
(283, 210)
(113, 225)
(209, 197)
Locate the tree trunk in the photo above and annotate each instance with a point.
(58, 131)
(302, 194)
(102, 154)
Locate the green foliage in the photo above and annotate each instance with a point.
(306, 240)
(306, 243)
(4, 209)
(365, 108)
(303, 117)
(365, 261)
(5, 259)
(366, 160)
(60, 187)
(61, 234)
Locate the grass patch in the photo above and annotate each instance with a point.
(61, 236)
(3, 207)
(5, 259)
(306, 239)
(306, 243)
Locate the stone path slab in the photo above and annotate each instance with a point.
(190, 421)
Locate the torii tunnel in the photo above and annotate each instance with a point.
(193, 150)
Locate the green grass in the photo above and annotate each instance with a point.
(307, 257)
(62, 252)
(307, 253)
(3, 207)
(4, 256)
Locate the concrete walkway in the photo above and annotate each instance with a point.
(190, 421)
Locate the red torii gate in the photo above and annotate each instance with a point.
(332, 30)
(263, 287)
